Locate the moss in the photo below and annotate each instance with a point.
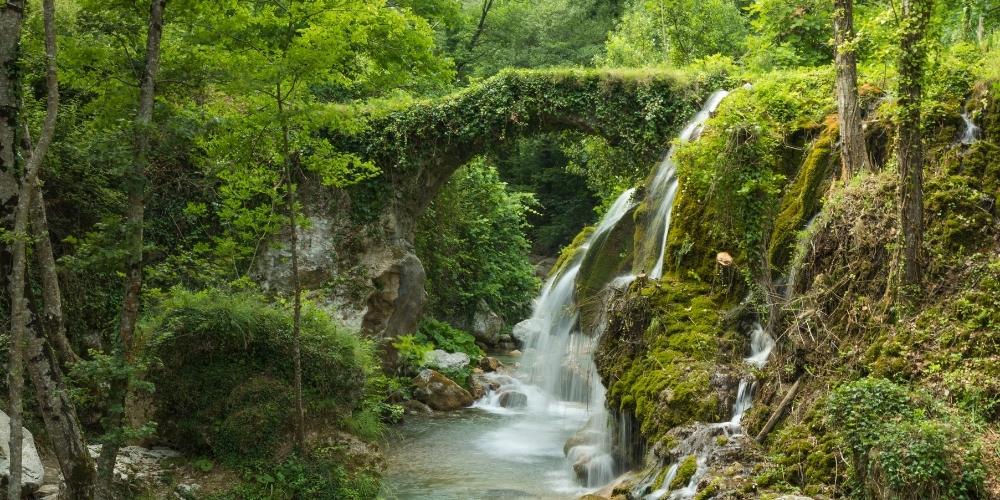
(685, 471)
(803, 197)
(609, 256)
(570, 251)
(713, 488)
(659, 353)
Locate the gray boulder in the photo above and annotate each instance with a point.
(513, 399)
(440, 392)
(32, 471)
(486, 324)
(446, 361)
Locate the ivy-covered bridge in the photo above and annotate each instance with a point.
(379, 281)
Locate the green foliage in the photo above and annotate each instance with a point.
(790, 33)
(472, 243)
(412, 351)
(675, 31)
(314, 475)
(733, 177)
(444, 336)
(902, 447)
(223, 383)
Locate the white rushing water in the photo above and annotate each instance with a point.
(971, 132)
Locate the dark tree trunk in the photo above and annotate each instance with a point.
(135, 185)
(296, 285)
(854, 157)
(916, 15)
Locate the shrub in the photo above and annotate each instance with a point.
(903, 447)
(223, 371)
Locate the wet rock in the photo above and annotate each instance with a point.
(523, 330)
(32, 471)
(446, 361)
(514, 353)
(513, 399)
(582, 438)
(490, 364)
(414, 407)
(439, 392)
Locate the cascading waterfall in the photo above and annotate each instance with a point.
(558, 374)
(663, 188)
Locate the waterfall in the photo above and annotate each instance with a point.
(663, 188)
(971, 133)
(558, 375)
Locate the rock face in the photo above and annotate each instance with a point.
(439, 392)
(486, 324)
(32, 471)
(446, 361)
(136, 465)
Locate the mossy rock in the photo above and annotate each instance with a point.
(804, 196)
(610, 256)
(569, 252)
(659, 353)
(685, 471)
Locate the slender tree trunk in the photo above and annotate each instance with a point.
(135, 185)
(855, 156)
(59, 414)
(296, 285)
(916, 15)
(53, 322)
(29, 183)
(481, 26)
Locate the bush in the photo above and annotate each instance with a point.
(903, 447)
(315, 476)
(223, 371)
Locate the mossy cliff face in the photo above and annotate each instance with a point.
(661, 354)
(610, 256)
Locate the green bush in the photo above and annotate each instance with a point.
(448, 338)
(903, 447)
(223, 371)
(315, 476)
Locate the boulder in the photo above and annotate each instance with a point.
(414, 407)
(486, 324)
(583, 437)
(440, 392)
(446, 361)
(525, 329)
(513, 399)
(32, 471)
(490, 364)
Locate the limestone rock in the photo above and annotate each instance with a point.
(513, 399)
(446, 361)
(523, 330)
(32, 471)
(439, 392)
(583, 437)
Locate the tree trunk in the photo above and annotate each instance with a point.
(25, 193)
(854, 156)
(135, 185)
(916, 15)
(296, 285)
(61, 422)
(53, 323)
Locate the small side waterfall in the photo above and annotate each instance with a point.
(701, 442)
(558, 375)
(970, 135)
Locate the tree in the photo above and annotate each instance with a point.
(57, 411)
(287, 63)
(135, 186)
(854, 156)
(910, 149)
